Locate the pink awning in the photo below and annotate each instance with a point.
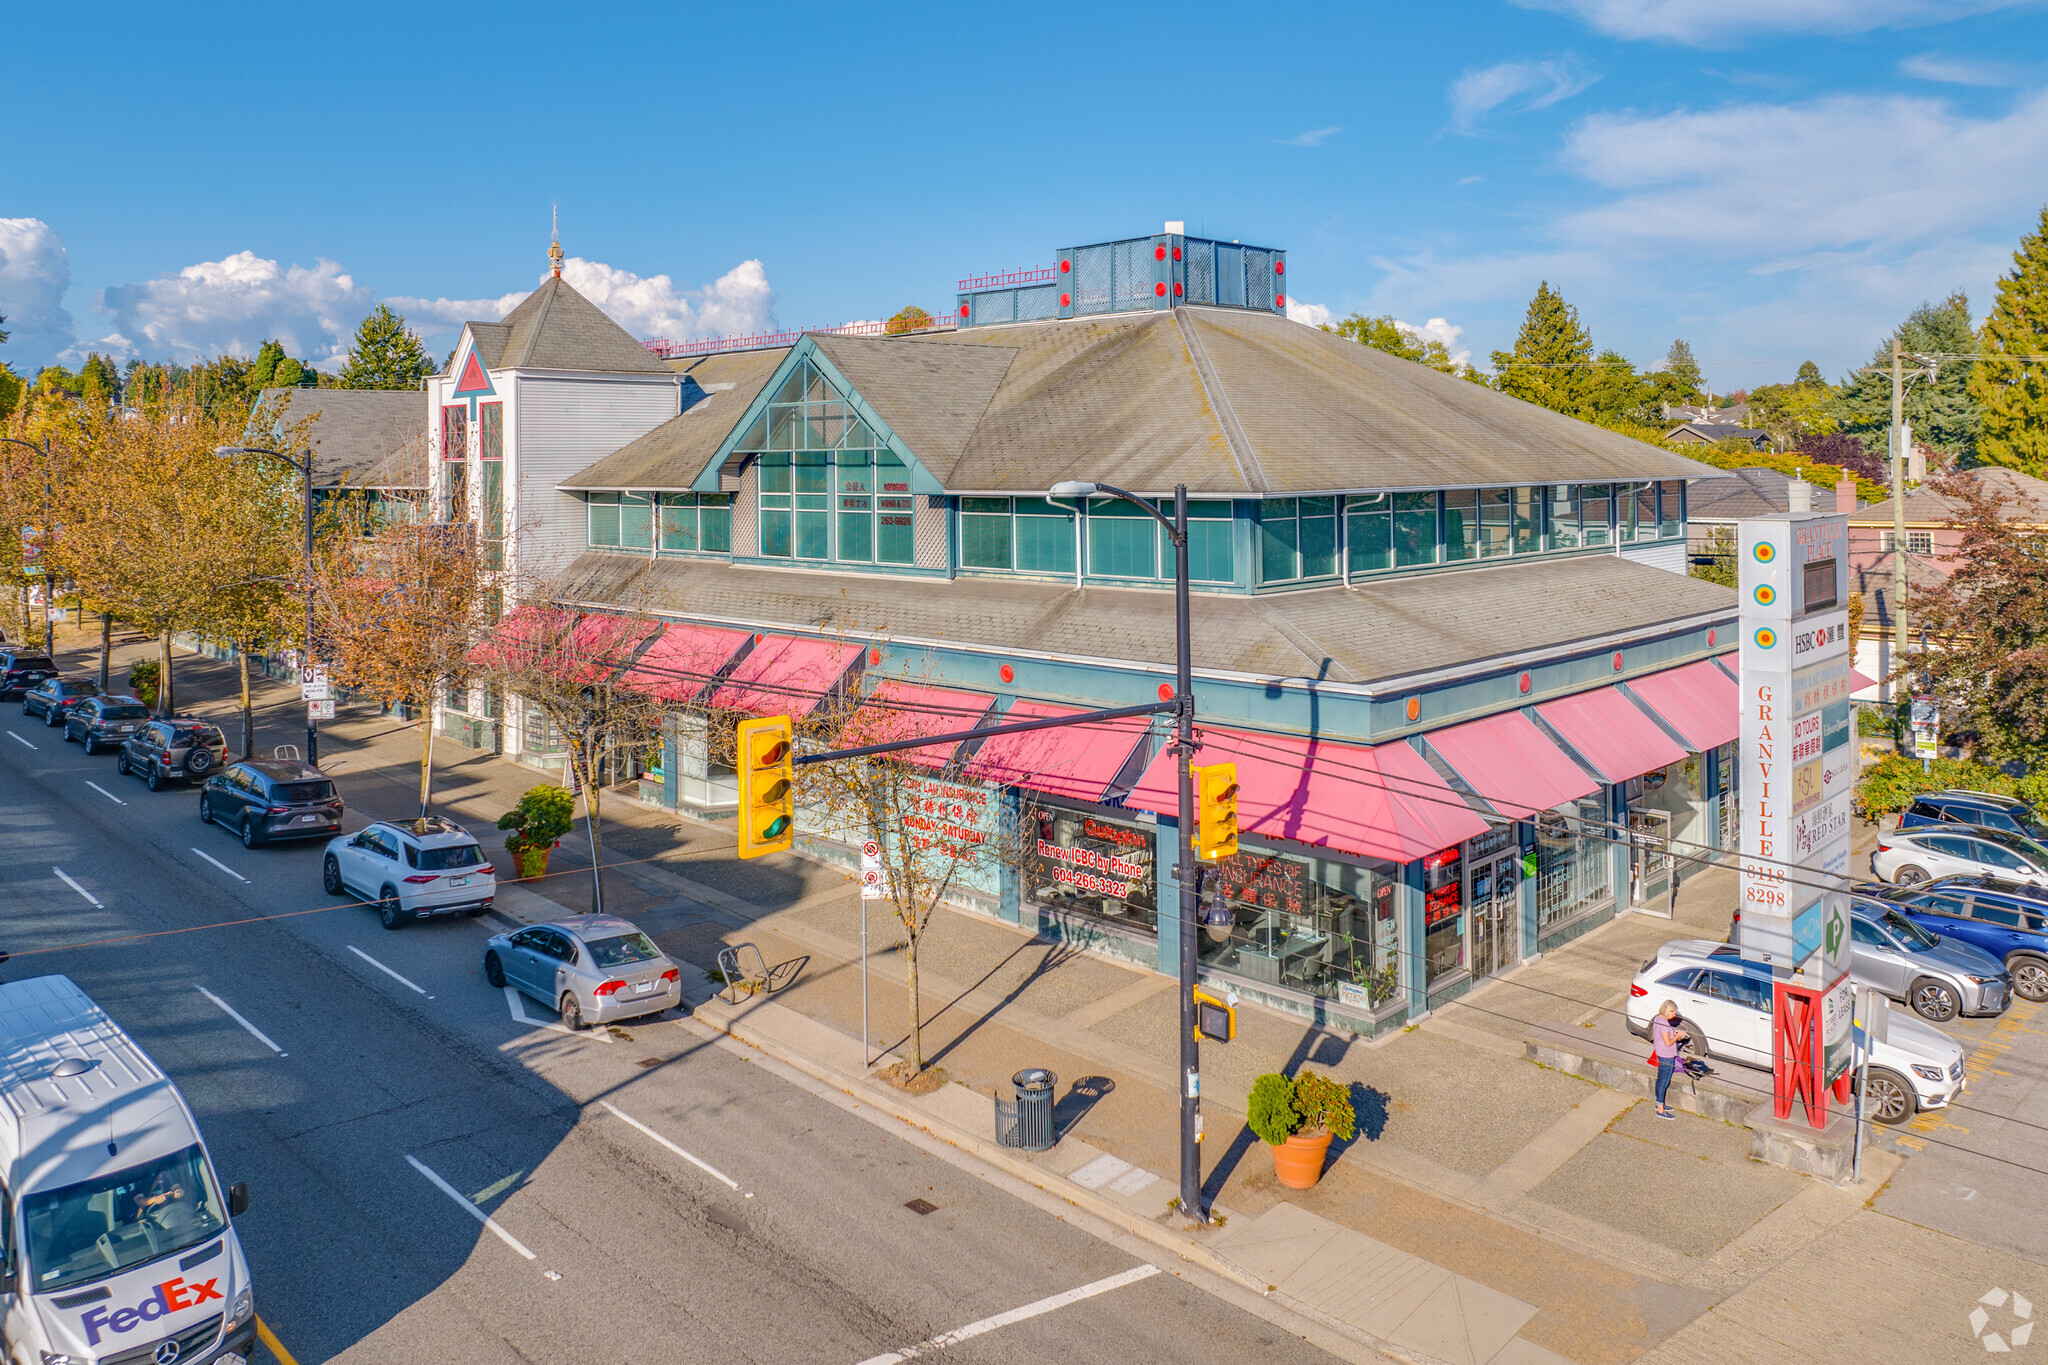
(1859, 681)
(786, 675)
(1699, 701)
(682, 661)
(559, 642)
(1071, 760)
(1611, 733)
(897, 710)
(1380, 802)
(1512, 764)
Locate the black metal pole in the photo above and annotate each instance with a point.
(312, 725)
(1190, 1049)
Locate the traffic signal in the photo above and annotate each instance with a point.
(1215, 812)
(767, 774)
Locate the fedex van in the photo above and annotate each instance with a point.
(115, 1233)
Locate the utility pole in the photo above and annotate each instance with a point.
(1900, 377)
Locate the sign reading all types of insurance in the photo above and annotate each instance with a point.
(1798, 755)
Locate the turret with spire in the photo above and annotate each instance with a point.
(555, 242)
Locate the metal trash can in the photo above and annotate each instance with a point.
(1026, 1121)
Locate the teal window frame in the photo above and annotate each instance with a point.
(829, 488)
(1596, 527)
(601, 529)
(695, 523)
(1417, 524)
(1561, 516)
(636, 521)
(1368, 532)
(1670, 509)
(1297, 539)
(1123, 540)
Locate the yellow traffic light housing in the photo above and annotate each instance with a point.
(767, 777)
(1215, 812)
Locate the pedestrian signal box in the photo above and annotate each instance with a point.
(1215, 1020)
(1215, 812)
(767, 780)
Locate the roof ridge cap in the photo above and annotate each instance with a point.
(1234, 436)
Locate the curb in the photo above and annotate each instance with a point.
(1183, 1246)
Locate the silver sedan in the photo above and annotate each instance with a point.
(595, 969)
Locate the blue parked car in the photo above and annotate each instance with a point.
(2008, 920)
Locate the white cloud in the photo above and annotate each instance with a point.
(1313, 314)
(34, 273)
(1929, 66)
(1437, 329)
(1722, 23)
(234, 305)
(1314, 137)
(739, 301)
(1522, 85)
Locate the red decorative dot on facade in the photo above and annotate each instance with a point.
(1710, 637)
(1414, 708)
(963, 310)
(874, 656)
(1176, 253)
(1166, 691)
(1176, 288)
(1279, 267)
(1066, 301)
(1525, 683)
(1158, 253)
(759, 638)
(1007, 673)
(1279, 300)
(1617, 661)
(1159, 289)
(1065, 266)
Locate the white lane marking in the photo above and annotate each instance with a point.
(700, 1165)
(388, 972)
(104, 792)
(18, 739)
(444, 1187)
(79, 889)
(219, 864)
(1029, 1310)
(236, 1015)
(517, 1005)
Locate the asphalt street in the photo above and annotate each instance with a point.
(651, 1196)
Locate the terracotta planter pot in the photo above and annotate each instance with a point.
(1298, 1162)
(533, 862)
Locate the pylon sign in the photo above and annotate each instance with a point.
(1796, 776)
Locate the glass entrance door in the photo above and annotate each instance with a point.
(1496, 914)
(1649, 858)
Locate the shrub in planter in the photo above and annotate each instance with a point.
(1270, 1111)
(537, 824)
(143, 675)
(1296, 1119)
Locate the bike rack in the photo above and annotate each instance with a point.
(736, 977)
(286, 753)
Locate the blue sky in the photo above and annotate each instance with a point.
(1771, 179)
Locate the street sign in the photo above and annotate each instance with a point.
(321, 709)
(871, 888)
(313, 683)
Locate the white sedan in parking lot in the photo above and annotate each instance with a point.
(411, 869)
(1729, 1001)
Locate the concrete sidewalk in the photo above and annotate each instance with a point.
(1490, 1210)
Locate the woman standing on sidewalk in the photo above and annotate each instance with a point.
(1665, 1040)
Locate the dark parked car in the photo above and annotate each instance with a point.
(264, 799)
(1988, 809)
(21, 669)
(164, 750)
(99, 721)
(2007, 919)
(53, 698)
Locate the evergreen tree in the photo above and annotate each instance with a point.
(2013, 394)
(1941, 411)
(1551, 362)
(1809, 376)
(290, 374)
(3, 334)
(386, 355)
(98, 380)
(263, 373)
(1684, 371)
(1614, 391)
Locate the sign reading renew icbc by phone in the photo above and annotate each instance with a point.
(1798, 764)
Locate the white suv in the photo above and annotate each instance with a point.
(1917, 1066)
(412, 869)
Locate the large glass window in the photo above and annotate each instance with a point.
(1671, 509)
(813, 470)
(1479, 523)
(1210, 555)
(829, 488)
(692, 522)
(1029, 535)
(1095, 866)
(1308, 924)
(1414, 529)
(1574, 862)
(1297, 538)
(1642, 507)
(1528, 514)
(454, 459)
(1369, 532)
(636, 521)
(1563, 517)
(1122, 540)
(1593, 516)
(986, 541)
(775, 483)
(896, 517)
(491, 449)
(1461, 525)
(604, 519)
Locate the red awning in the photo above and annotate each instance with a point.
(1512, 764)
(682, 661)
(897, 710)
(539, 639)
(1380, 802)
(1611, 733)
(1071, 760)
(786, 675)
(1699, 701)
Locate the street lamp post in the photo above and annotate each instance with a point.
(49, 587)
(305, 467)
(1184, 871)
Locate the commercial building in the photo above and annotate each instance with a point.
(1446, 635)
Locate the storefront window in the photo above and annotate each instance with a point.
(1369, 532)
(1095, 866)
(1443, 915)
(1308, 924)
(1574, 862)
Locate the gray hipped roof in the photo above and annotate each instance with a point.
(716, 390)
(1384, 629)
(1232, 403)
(364, 438)
(556, 328)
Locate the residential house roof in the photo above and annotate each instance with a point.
(1370, 632)
(2022, 496)
(1707, 433)
(716, 390)
(363, 438)
(556, 328)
